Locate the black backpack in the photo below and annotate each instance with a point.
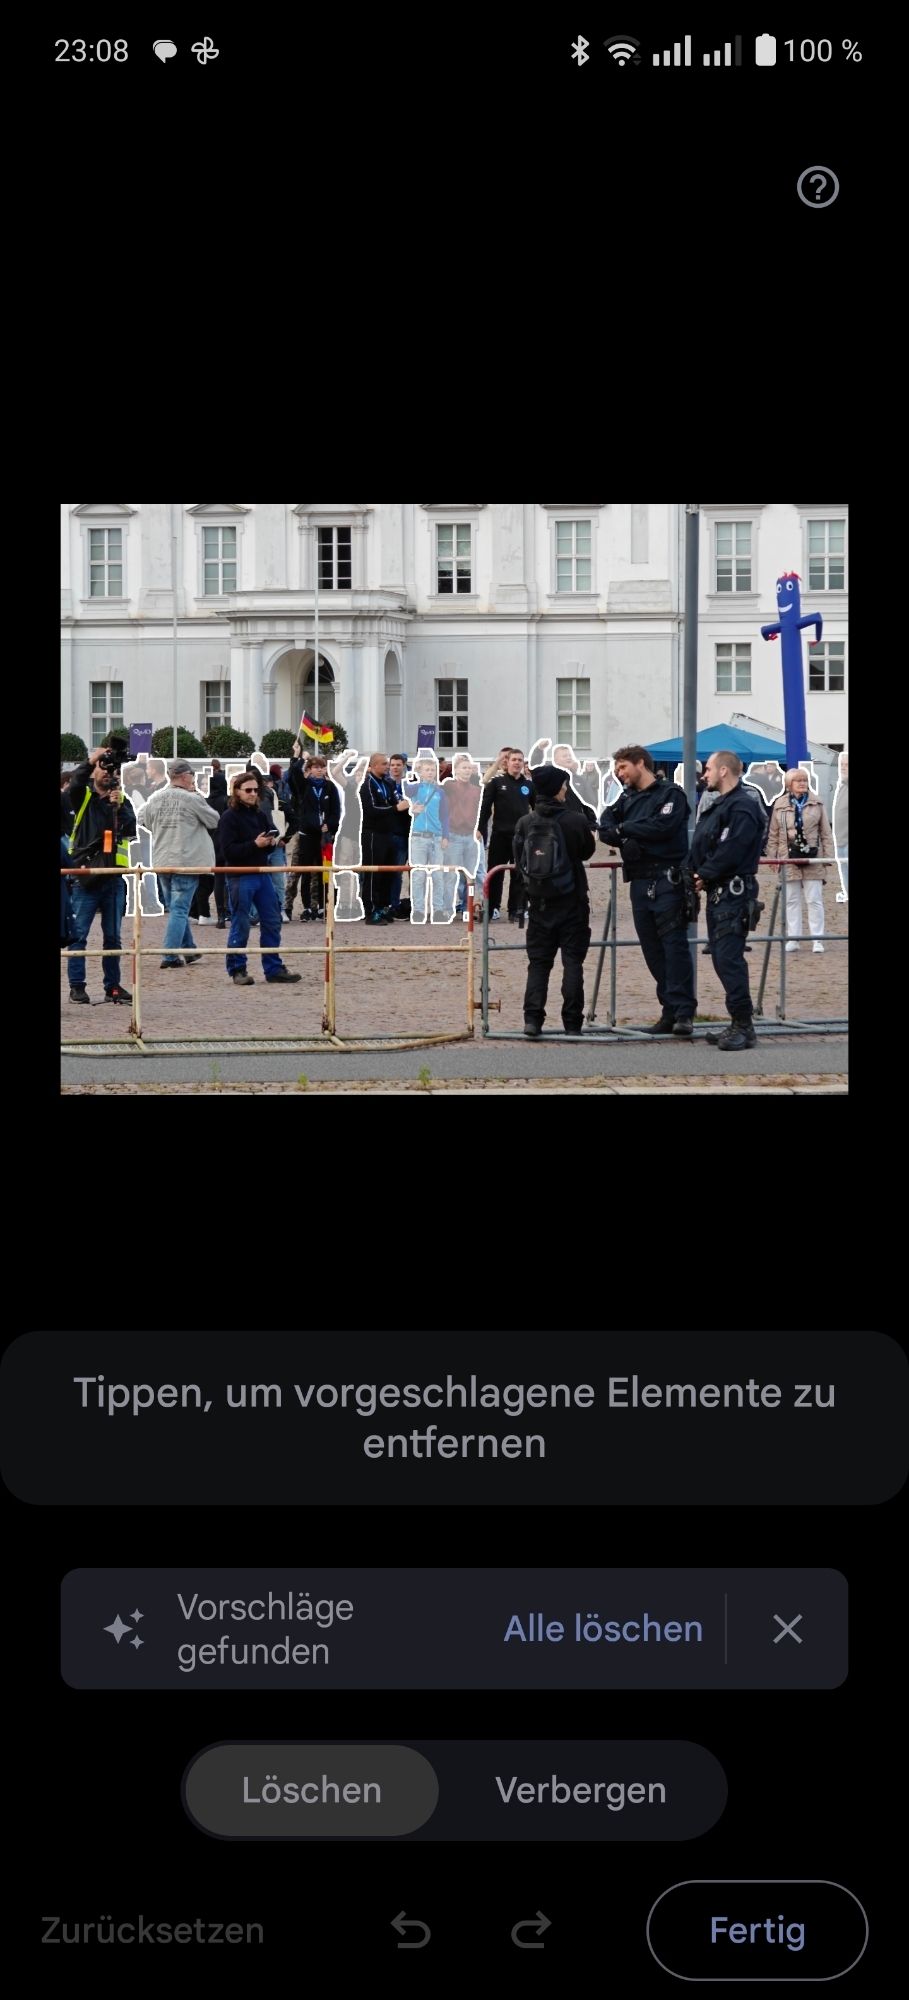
(544, 865)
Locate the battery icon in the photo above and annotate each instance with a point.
(765, 50)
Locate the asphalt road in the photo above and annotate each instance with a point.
(780, 1055)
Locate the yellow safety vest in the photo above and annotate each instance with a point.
(122, 853)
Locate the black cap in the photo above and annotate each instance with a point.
(548, 780)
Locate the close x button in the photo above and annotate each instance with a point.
(757, 1930)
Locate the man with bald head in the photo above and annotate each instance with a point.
(381, 809)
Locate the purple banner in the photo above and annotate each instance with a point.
(426, 736)
(140, 736)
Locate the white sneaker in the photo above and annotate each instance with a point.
(203, 920)
(465, 916)
(817, 947)
(285, 919)
(494, 916)
(791, 947)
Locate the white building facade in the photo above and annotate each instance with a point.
(496, 624)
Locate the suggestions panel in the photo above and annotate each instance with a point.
(317, 1629)
(498, 1419)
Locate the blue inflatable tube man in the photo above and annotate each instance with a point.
(791, 623)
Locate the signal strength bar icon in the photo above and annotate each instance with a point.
(725, 61)
(676, 55)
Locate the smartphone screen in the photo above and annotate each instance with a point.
(470, 1645)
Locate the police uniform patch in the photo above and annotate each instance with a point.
(666, 809)
(725, 833)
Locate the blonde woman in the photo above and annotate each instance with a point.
(799, 826)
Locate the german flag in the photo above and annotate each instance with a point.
(318, 730)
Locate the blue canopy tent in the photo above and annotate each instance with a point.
(721, 736)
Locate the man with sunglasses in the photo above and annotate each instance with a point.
(247, 839)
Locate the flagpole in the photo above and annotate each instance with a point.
(315, 607)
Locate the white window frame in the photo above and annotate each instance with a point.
(579, 521)
(839, 592)
(310, 517)
(562, 514)
(111, 719)
(574, 679)
(223, 722)
(220, 528)
(814, 651)
(216, 517)
(455, 596)
(452, 680)
(333, 528)
(450, 514)
(725, 517)
(106, 520)
(737, 646)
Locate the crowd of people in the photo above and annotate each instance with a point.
(379, 826)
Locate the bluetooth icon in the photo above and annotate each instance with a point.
(577, 51)
(205, 51)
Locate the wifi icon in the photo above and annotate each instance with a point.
(623, 48)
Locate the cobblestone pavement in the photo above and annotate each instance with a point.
(383, 990)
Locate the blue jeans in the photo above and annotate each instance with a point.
(177, 892)
(104, 893)
(426, 851)
(244, 890)
(398, 853)
(65, 892)
(464, 849)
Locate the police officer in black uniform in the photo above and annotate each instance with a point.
(649, 824)
(724, 855)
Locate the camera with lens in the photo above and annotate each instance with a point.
(112, 758)
(799, 848)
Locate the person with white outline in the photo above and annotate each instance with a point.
(429, 834)
(799, 826)
(841, 825)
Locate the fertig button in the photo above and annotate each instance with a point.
(738, 1931)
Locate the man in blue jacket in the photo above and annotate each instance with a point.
(428, 841)
(247, 838)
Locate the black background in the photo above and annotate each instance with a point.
(97, 1775)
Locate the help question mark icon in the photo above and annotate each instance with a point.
(815, 196)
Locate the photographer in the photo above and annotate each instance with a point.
(800, 829)
(103, 825)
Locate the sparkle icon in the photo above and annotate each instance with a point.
(137, 1642)
(117, 1629)
(205, 51)
(578, 51)
(136, 1615)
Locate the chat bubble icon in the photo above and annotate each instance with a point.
(164, 50)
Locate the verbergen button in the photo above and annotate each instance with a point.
(291, 1791)
(755, 1930)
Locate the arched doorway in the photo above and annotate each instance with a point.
(394, 704)
(295, 677)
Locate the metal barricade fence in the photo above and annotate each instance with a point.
(613, 944)
(329, 949)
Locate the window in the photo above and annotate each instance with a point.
(107, 709)
(451, 713)
(334, 559)
(733, 669)
(826, 555)
(219, 561)
(215, 705)
(453, 561)
(573, 718)
(105, 560)
(573, 565)
(733, 555)
(827, 666)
